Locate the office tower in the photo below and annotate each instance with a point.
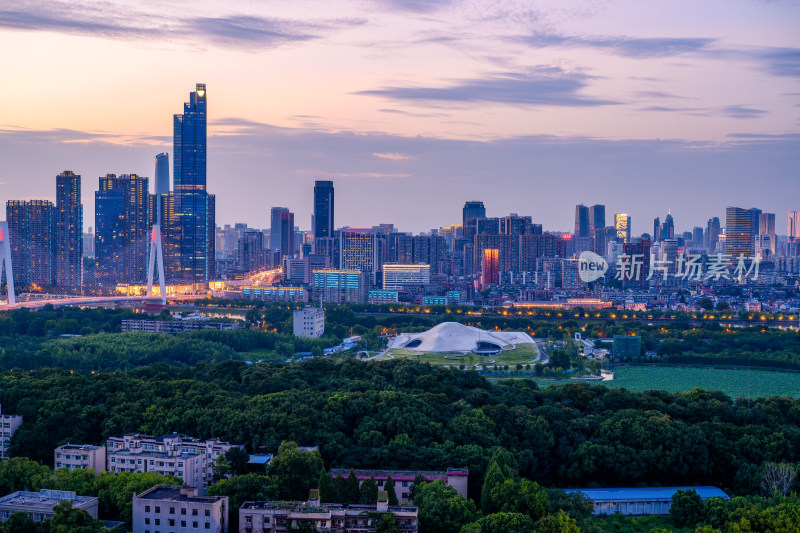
(597, 226)
(323, 209)
(31, 226)
(581, 221)
(738, 233)
(282, 231)
(162, 174)
(755, 221)
(713, 231)
(357, 250)
(766, 226)
(191, 198)
(622, 226)
(667, 229)
(793, 231)
(275, 227)
(161, 183)
(697, 236)
(471, 212)
(68, 231)
(122, 228)
(397, 277)
(400, 248)
(88, 243)
(340, 286)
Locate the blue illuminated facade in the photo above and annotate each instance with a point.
(192, 213)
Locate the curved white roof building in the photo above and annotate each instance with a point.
(455, 337)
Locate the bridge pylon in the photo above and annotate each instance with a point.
(5, 259)
(156, 252)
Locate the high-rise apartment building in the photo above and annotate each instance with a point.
(31, 226)
(490, 267)
(122, 225)
(358, 250)
(68, 231)
(322, 225)
(622, 226)
(191, 198)
(738, 232)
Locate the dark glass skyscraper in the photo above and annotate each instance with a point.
(68, 230)
(31, 226)
(471, 213)
(581, 221)
(275, 227)
(323, 209)
(191, 198)
(161, 185)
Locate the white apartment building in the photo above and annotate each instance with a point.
(187, 458)
(39, 505)
(80, 457)
(179, 510)
(396, 276)
(9, 424)
(308, 322)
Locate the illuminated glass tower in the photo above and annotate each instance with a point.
(68, 230)
(323, 209)
(738, 232)
(191, 198)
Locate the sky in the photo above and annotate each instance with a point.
(413, 107)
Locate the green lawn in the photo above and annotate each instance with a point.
(733, 382)
(521, 354)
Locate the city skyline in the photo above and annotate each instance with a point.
(641, 109)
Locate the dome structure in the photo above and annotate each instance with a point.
(455, 337)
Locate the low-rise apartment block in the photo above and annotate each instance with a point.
(9, 424)
(308, 322)
(39, 505)
(403, 479)
(179, 510)
(187, 458)
(80, 457)
(274, 517)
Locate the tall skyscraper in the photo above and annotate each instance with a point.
(31, 226)
(287, 234)
(68, 231)
(358, 250)
(323, 209)
(738, 233)
(490, 267)
(122, 228)
(793, 230)
(275, 227)
(581, 221)
(191, 198)
(622, 225)
(713, 230)
(472, 211)
(162, 174)
(161, 183)
(755, 220)
(766, 226)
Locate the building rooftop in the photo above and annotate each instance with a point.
(86, 447)
(44, 499)
(647, 493)
(177, 494)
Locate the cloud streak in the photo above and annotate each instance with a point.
(108, 21)
(549, 86)
(634, 47)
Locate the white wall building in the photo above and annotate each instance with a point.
(308, 322)
(39, 505)
(179, 510)
(80, 457)
(184, 457)
(9, 424)
(396, 276)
